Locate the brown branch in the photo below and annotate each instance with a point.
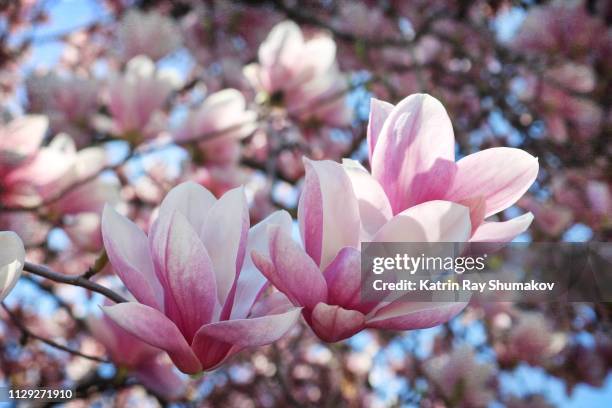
(47, 273)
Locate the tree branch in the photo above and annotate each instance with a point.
(47, 273)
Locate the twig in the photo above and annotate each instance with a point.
(47, 273)
(100, 263)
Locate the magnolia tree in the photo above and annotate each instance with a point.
(185, 187)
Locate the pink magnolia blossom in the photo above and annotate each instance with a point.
(26, 170)
(461, 379)
(68, 102)
(12, 259)
(220, 122)
(560, 27)
(84, 195)
(551, 218)
(562, 111)
(150, 34)
(412, 156)
(199, 299)
(324, 277)
(136, 99)
(146, 363)
(531, 339)
(301, 75)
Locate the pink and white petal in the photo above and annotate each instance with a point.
(334, 323)
(374, 207)
(433, 221)
(253, 332)
(404, 315)
(22, 136)
(161, 378)
(251, 281)
(46, 171)
(310, 216)
(12, 260)
(225, 234)
(379, 112)
(282, 45)
(501, 175)
(322, 53)
(291, 270)
(477, 206)
(332, 216)
(343, 278)
(128, 251)
(90, 162)
(271, 303)
(190, 199)
(152, 327)
(190, 276)
(502, 232)
(414, 152)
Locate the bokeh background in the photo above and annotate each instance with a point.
(530, 74)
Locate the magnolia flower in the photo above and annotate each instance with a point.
(551, 218)
(199, 299)
(221, 121)
(136, 99)
(559, 26)
(144, 362)
(564, 113)
(531, 339)
(12, 259)
(26, 170)
(300, 75)
(412, 155)
(69, 102)
(324, 277)
(462, 380)
(83, 194)
(150, 34)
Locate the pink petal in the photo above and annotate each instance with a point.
(414, 155)
(501, 175)
(251, 281)
(343, 278)
(128, 251)
(328, 211)
(374, 207)
(433, 221)
(477, 206)
(88, 197)
(379, 112)
(190, 277)
(12, 259)
(152, 327)
(502, 231)
(333, 323)
(291, 270)
(22, 136)
(190, 199)
(225, 234)
(282, 44)
(253, 332)
(404, 315)
(271, 303)
(220, 111)
(44, 171)
(161, 378)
